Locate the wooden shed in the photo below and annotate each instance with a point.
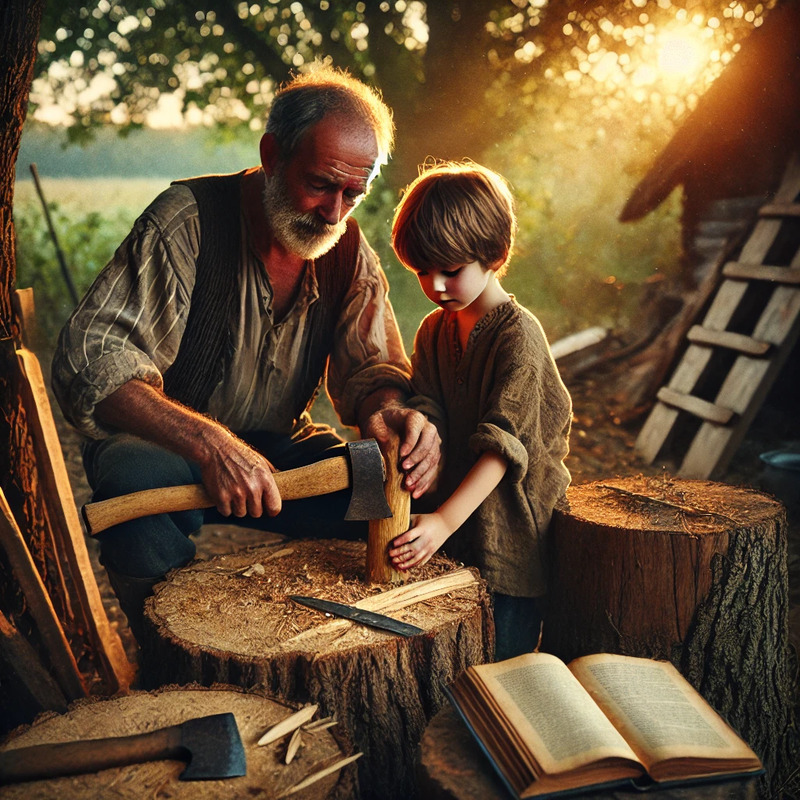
(736, 157)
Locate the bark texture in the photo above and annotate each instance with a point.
(230, 619)
(690, 571)
(141, 712)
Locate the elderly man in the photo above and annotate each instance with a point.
(221, 312)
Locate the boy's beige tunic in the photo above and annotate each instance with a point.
(503, 394)
(130, 324)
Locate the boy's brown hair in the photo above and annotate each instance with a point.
(455, 213)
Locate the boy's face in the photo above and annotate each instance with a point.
(455, 288)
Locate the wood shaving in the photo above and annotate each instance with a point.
(288, 725)
(315, 776)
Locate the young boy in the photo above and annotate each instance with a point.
(484, 374)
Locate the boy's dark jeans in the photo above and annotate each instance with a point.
(151, 546)
(517, 621)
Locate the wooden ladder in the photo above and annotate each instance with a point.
(735, 354)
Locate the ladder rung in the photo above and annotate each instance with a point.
(738, 270)
(695, 406)
(780, 210)
(731, 341)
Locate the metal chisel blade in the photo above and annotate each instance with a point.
(371, 618)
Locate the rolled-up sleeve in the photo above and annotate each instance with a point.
(368, 352)
(129, 324)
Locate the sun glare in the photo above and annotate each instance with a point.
(680, 55)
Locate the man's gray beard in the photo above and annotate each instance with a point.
(304, 235)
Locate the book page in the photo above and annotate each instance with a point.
(552, 713)
(657, 710)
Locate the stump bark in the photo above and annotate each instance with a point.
(453, 767)
(690, 571)
(230, 619)
(140, 712)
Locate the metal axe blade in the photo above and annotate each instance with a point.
(367, 475)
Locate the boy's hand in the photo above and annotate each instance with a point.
(428, 532)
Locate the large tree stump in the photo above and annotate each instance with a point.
(230, 619)
(690, 571)
(453, 767)
(141, 712)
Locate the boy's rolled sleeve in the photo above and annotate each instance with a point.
(492, 438)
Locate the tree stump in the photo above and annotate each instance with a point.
(141, 712)
(690, 571)
(453, 767)
(230, 619)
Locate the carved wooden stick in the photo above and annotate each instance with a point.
(382, 532)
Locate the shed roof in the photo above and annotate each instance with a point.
(750, 112)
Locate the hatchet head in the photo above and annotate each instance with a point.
(367, 475)
(215, 748)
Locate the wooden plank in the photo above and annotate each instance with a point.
(746, 387)
(730, 341)
(654, 432)
(737, 270)
(780, 210)
(115, 669)
(25, 663)
(55, 642)
(695, 406)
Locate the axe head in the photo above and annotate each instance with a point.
(215, 748)
(367, 475)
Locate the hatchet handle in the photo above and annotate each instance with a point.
(322, 477)
(73, 758)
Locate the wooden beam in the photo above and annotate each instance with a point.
(730, 341)
(695, 406)
(39, 603)
(740, 271)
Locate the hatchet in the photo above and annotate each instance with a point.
(362, 468)
(211, 745)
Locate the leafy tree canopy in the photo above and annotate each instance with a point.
(459, 75)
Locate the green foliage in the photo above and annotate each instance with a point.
(87, 241)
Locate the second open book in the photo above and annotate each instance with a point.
(604, 719)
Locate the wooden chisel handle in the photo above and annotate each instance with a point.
(91, 755)
(323, 477)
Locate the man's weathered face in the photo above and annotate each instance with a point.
(308, 198)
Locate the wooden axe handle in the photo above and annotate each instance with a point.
(323, 477)
(72, 758)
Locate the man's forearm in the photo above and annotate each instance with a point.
(142, 410)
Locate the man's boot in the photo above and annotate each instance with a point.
(131, 593)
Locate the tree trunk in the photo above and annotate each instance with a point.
(230, 619)
(690, 571)
(140, 712)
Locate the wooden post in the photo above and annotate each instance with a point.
(382, 532)
(41, 608)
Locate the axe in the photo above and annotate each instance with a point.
(362, 468)
(211, 746)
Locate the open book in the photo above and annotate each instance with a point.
(604, 719)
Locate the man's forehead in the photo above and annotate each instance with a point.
(342, 150)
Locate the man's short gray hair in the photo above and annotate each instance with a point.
(308, 98)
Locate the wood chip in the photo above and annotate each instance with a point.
(254, 569)
(286, 551)
(288, 725)
(320, 724)
(294, 745)
(316, 776)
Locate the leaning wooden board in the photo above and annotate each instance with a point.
(268, 777)
(230, 619)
